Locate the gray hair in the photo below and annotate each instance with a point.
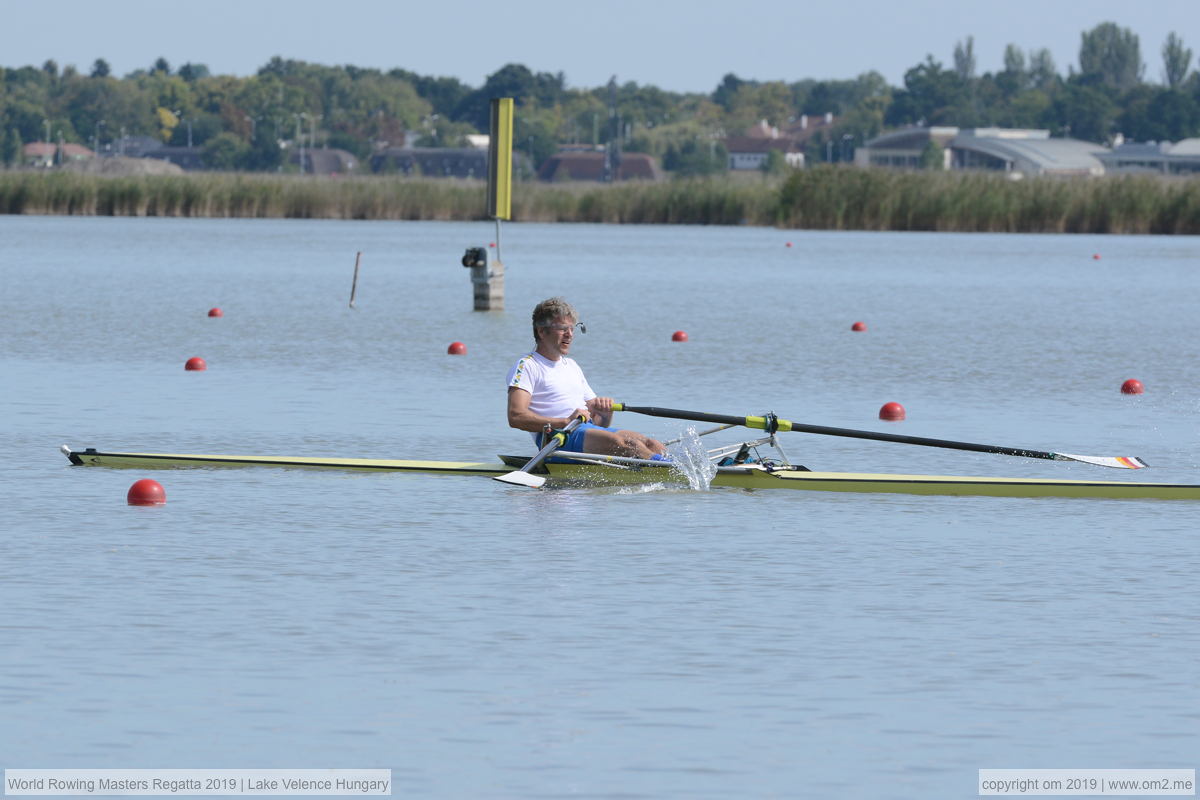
(545, 312)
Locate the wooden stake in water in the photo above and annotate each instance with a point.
(354, 285)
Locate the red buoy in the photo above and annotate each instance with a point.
(216, 312)
(1095, 256)
(1132, 386)
(858, 326)
(195, 364)
(892, 412)
(456, 349)
(146, 492)
(789, 244)
(679, 336)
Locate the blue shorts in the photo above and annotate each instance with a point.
(575, 439)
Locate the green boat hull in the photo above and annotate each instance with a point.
(750, 476)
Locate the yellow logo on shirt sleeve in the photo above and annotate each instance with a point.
(516, 380)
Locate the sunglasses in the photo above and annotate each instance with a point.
(558, 328)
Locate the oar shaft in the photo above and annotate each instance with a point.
(763, 423)
(894, 437)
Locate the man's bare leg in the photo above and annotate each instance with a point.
(622, 443)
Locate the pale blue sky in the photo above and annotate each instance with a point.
(679, 45)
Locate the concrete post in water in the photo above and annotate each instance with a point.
(487, 279)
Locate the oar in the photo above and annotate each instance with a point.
(521, 477)
(772, 423)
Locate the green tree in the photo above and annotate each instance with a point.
(1014, 60)
(838, 97)
(775, 163)
(534, 134)
(512, 80)
(264, 153)
(725, 91)
(197, 129)
(1177, 61)
(638, 106)
(100, 68)
(761, 101)
(930, 96)
(444, 133)
(695, 157)
(1029, 109)
(1173, 115)
(1084, 112)
(933, 156)
(444, 95)
(1014, 79)
(193, 72)
(657, 140)
(10, 147)
(1111, 56)
(865, 120)
(964, 59)
(225, 151)
(1043, 74)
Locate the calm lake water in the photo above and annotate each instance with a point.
(488, 641)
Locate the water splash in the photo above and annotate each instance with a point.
(689, 459)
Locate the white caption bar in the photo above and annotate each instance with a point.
(1112, 782)
(183, 782)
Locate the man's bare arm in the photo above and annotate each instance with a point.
(521, 418)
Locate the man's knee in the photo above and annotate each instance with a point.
(618, 443)
(641, 446)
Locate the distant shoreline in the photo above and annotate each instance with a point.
(822, 198)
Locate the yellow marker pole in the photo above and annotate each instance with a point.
(500, 163)
(500, 159)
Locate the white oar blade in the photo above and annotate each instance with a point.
(519, 478)
(1120, 462)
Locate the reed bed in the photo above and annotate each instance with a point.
(825, 198)
(836, 198)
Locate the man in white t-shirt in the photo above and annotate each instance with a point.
(546, 390)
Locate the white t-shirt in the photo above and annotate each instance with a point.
(556, 388)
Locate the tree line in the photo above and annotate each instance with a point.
(241, 122)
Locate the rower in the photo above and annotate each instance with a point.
(547, 389)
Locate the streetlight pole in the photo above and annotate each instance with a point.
(179, 116)
(299, 141)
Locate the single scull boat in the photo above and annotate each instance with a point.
(587, 469)
(740, 465)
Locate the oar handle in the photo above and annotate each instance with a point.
(699, 416)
